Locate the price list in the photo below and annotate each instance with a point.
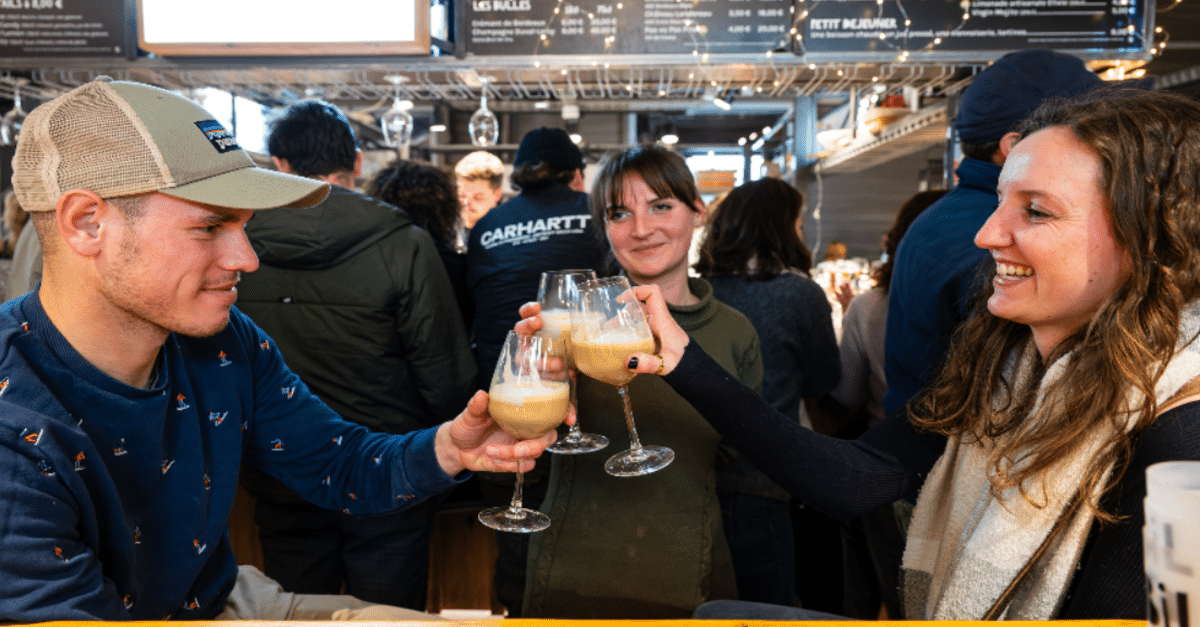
(68, 28)
(523, 27)
(975, 25)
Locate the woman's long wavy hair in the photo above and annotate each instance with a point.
(753, 234)
(1149, 145)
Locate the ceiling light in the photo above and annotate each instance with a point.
(668, 134)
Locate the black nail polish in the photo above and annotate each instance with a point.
(633, 362)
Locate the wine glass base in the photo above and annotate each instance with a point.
(584, 443)
(643, 461)
(514, 520)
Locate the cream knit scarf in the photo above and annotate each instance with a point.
(965, 546)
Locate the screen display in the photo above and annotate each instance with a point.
(283, 27)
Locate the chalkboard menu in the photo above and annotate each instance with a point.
(592, 27)
(1097, 26)
(66, 28)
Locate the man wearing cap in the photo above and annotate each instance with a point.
(357, 298)
(545, 227)
(131, 390)
(936, 269)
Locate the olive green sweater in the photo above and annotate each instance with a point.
(650, 546)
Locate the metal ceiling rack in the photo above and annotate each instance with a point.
(455, 81)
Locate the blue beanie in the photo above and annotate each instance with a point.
(551, 145)
(1008, 90)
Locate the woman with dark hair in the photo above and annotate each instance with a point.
(1030, 448)
(757, 264)
(429, 196)
(652, 546)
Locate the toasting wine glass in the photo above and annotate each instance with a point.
(607, 324)
(528, 398)
(558, 289)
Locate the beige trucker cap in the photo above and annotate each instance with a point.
(120, 138)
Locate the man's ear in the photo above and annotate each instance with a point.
(1006, 145)
(80, 215)
(282, 165)
(358, 163)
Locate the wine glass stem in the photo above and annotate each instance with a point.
(634, 442)
(514, 508)
(573, 433)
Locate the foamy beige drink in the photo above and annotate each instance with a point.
(603, 358)
(556, 328)
(529, 411)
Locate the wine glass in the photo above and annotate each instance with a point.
(484, 126)
(528, 398)
(557, 290)
(10, 125)
(397, 123)
(607, 324)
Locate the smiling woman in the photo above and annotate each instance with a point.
(1082, 370)
(647, 547)
(1051, 238)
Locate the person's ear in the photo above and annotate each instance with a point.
(358, 162)
(700, 213)
(282, 165)
(1007, 143)
(80, 216)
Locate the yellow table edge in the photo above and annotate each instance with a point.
(547, 622)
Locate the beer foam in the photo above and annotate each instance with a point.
(533, 389)
(555, 321)
(622, 335)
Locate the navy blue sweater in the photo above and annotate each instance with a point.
(934, 279)
(114, 499)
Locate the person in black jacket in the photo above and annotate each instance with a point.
(545, 227)
(428, 195)
(356, 297)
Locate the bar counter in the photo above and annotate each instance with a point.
(546, 622)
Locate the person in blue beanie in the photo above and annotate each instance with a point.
(936, 268)
(131, 389)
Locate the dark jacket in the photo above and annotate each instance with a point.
(548, 228)
(359, 302)
(934, 279)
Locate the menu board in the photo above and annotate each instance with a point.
(1097, 26)
(62, 28)
(592, 27)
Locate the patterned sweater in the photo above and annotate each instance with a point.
(114, 499)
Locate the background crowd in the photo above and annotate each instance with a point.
(799, 454)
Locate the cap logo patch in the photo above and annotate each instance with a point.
(221, 139)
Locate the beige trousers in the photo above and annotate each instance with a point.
(258, 597)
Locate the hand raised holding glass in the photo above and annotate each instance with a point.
(670, 338)
(607, 325)
(528, 398)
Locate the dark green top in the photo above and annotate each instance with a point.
(650, 546)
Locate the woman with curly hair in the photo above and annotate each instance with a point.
(1078, 372)
(430, 198)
